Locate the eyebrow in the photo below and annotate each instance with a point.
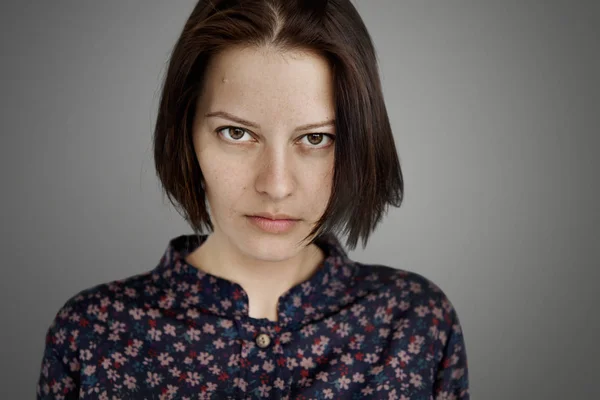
(225, 115)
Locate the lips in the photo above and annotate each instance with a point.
(275, 216)
(278, 223)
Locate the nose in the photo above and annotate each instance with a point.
(275, 174)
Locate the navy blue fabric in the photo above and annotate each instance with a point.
(351, 331)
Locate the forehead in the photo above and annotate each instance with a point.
(264, 83)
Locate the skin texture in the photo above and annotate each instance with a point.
(270, 167)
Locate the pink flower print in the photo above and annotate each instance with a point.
(219, 344)
(165, 359)
(211, 386)
(347, 359)
(400, 374)
(330, 323)
(240, 383)
(415, 344)
(74, 365)
(371, 358)
(205, 358)
(226, 304)
(119, 359)
(318, 349)
(99, 329)
(384, 332)
(343, 329)
(209, 328)
(422, 311)
(328, 393)
(171, 390)
(166, 302)
(193, 334)
(234, 360)
(445, 396)
(309, 310)
(307, 363)
(308, 330)
(60, 336)
(323, 376)
(89, 370)
(217, 371)
(106, 363)
(112, 375)
(297, 301)
(343, 382)
(279, 383)
(416, 379)
(357, 309)
(404, 305)
(131, 351)
(169, 330)
(268, 366)
(415, 287)
(264, 390)
(291, 363)
(226, 323)
(458, 373)
(380, 312)
(118, 327)
(192, 378)
(358, 377)
(85, 354)
(180, 347)
(118, 306)
(155, 334)
(404, 357)
(376, 370)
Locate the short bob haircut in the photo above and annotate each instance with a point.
(367, 175)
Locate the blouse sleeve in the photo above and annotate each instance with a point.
(452, 379)
(59, 375)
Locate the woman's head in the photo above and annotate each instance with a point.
(245, 79)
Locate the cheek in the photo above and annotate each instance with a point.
(223, 185)
(322, 183)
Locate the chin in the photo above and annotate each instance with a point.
(267, 247)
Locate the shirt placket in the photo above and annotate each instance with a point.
(262, 360)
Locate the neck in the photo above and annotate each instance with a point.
(263, 281)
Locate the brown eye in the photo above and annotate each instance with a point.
(318, 140)
(236, 133)
(233, 134)
(315, 138)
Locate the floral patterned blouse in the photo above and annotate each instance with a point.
(352, 331)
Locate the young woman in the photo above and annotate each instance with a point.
(273, 136)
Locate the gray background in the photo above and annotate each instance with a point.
(496, 112)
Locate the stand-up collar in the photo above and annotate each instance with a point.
(329, 289)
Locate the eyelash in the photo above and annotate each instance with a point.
(319, 146)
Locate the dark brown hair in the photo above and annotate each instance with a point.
(367, 174)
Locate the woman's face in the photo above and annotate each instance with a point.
(255, 152)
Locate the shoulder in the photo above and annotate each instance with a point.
(399, 281)
(92, 311)
(422, 317)
(410, 292)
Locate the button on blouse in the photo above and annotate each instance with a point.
(351, 331)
